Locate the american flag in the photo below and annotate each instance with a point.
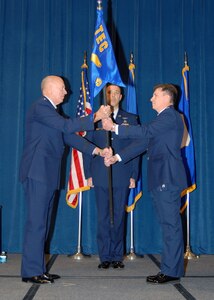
(77, 182)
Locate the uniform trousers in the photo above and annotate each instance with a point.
(39, 202)
(110, 238)
(167, 205)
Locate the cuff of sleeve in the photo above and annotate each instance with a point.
(118, 157)
(116, 129)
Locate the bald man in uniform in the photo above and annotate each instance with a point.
(46, 134)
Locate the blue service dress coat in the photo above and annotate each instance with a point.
(162, 140)
(46, 133)
(111, 239)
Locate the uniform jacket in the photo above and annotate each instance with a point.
(44, 145)
(162, 139)
(121, 173)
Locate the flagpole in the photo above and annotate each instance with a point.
(188, 254)
(79, 255)
(103, 70)
(131, 255)
(108, 143)
(77, 182)
(99, 4)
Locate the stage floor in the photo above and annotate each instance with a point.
(81, 279)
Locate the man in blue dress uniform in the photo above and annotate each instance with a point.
(110, 237)
(46, 132)
(162, 138)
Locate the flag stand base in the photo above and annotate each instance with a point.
(78, 256)
(189, 255)
(131, 256)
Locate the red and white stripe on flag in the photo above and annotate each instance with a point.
(77, 181)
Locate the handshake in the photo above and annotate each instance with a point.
(107, 123)
(107, 154)
(109, 159)
(103, 114)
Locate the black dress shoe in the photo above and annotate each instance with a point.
(38, 279)
(51, 276)
(152, 277)
(104, 265)
(118, 265)
(161, 278)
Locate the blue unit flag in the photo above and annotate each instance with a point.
(103, 63)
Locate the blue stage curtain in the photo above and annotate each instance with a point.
(44, 37)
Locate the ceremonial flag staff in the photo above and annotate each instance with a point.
(136, 193)
(103, 70)
(187, 151)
